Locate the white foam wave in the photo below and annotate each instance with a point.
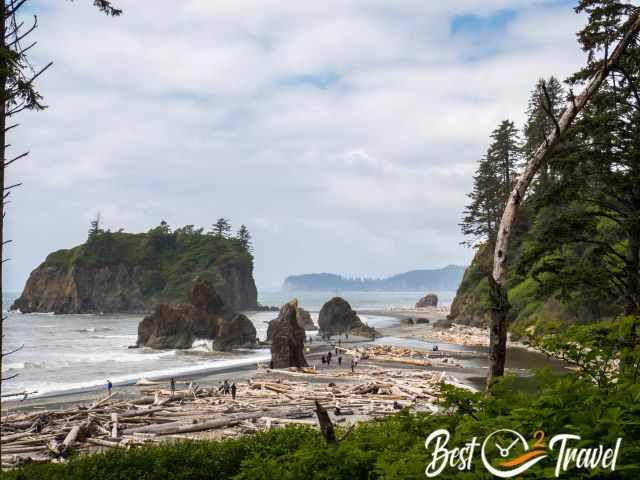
(48, 388)
(202, 345)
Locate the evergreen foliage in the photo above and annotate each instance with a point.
(170, 258)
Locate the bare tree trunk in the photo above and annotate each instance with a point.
(3, 124)
(326, 427)
(500, 308)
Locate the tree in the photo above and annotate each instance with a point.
(18, 91)
(593, 39)
(245, 238)
(95, 228)
(221, 229)
(491, 185)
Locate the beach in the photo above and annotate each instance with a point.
(400, 369)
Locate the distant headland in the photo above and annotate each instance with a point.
(447, 278)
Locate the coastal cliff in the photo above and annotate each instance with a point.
(125, 272)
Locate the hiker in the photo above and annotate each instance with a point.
(339, 360)
(435, 348)
(346, 336)
(225, 387)
(329, 356)
(336, 350)
(109, 386)
(340, 341)
(172, 386)
(353, 365)
(356, 361)
(233, 390)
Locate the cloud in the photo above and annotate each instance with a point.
(343, 133)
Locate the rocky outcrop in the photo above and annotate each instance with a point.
(206, 317)
(113, 276)
(303, 317)
(287, 338)
(442, 324)
(337, 318)
(429, 300)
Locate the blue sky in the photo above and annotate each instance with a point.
(343, 133)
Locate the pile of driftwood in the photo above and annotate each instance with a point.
(269, 400)
(389, 353)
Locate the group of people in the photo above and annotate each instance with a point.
(326, 359)
(228, 389)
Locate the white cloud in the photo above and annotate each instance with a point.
(343, 133)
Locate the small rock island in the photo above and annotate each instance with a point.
(206, 317)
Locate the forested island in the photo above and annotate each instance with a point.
(447, 278)
(132, 272)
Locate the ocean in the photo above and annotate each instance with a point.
(63, 353)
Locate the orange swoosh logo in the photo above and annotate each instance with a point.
(522, 458)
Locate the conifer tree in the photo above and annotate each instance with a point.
(245, 238)
(222, 228)
(491, 185)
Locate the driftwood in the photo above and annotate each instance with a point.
(326, 427)
(268, 401)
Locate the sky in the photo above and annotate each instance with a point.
(343, 133)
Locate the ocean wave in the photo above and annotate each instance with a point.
(49, 388)
(202, 345)
(15, 366)
(94, 330)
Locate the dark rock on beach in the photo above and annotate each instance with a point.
(206, 317)
(287, 338)
(303, 317)
(337, 318)
(429, 300)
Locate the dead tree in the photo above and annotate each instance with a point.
(17, 89)
(500, 301)
(326, 426)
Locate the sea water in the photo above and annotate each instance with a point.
(62, 353)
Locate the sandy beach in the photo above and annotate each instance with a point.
(399, 370)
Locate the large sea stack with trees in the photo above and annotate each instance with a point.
(132, 272)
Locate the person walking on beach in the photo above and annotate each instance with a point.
(225, 387)
(109, 386)
(339, 360)
(233, 390)
(323, 360)
(172, 386)
(353, 365)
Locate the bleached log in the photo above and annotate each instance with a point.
(114, 425)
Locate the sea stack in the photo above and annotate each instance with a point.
(205, 317)
(302, 316)
(287, 338)
(429, 300)
(337, 318)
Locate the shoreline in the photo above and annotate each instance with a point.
(391, 334)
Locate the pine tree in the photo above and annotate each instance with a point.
(244, 237)
(221, 229)
(546, 103)
(491, 185)
(95, 228)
